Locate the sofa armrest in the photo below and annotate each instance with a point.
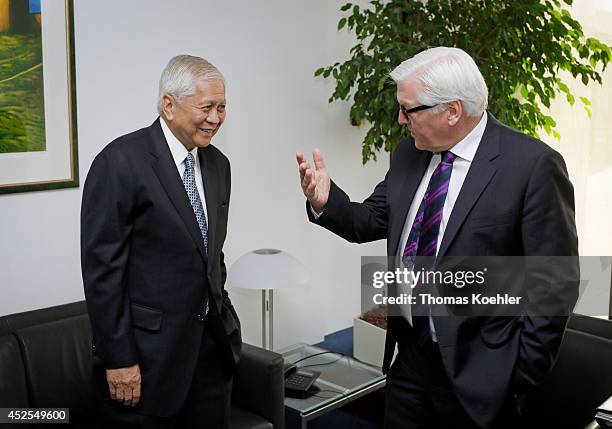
(259, 385)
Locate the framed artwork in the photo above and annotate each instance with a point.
(38, 128)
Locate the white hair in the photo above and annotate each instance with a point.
(181, 75)
(446, 74)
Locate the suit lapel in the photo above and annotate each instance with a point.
(413, 168)
(479, 175)
(210, 179)
(165, 169)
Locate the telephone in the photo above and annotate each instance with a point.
(299, 382)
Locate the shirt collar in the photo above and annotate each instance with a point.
(178, 151)
(466, 148)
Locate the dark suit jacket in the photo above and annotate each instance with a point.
(145, 272)
(516, 200)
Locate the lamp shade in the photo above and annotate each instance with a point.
(267, 269)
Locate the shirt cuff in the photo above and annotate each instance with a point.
(314, 213)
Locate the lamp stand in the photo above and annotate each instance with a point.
(267, 307)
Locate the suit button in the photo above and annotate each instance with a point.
(200, 318)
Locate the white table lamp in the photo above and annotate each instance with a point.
(266, 270)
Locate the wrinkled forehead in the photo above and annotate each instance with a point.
(209, 90)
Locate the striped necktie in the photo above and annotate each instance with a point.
(423, 239)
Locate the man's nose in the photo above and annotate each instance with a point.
(213, 117)
(401, 118)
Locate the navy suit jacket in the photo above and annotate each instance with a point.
(516, 200)
(145, 271)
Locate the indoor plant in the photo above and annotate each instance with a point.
(524, 49)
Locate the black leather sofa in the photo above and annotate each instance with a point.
(580, 381)
(45, 361)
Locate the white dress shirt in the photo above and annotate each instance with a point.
(465, 151)
(179, 153)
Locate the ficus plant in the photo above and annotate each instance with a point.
(524, 49)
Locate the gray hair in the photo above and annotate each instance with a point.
(181, 75)
(446, 74)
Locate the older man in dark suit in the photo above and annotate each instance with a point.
(463, 184)
(153, 224)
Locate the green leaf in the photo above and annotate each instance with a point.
(570, 99)
(341, 23)
(585, 101)
(346, 7)
(319, 71)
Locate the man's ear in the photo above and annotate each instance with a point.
(168, 106)
(454, 112)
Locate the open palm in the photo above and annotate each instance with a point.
(315, 182)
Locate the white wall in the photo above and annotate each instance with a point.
(268, 51)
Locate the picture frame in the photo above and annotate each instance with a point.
(29, 162)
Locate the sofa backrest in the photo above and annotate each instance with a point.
(13, 386)
(45, 360)
(57, 360)
(581, 379)
(13, 322)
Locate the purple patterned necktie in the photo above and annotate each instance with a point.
(423, 239)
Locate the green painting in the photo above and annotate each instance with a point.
(22, 112)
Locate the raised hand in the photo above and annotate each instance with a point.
(315, 182)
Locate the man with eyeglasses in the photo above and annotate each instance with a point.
(463, 184)
(166, 338)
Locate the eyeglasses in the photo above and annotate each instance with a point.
(406, 112)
